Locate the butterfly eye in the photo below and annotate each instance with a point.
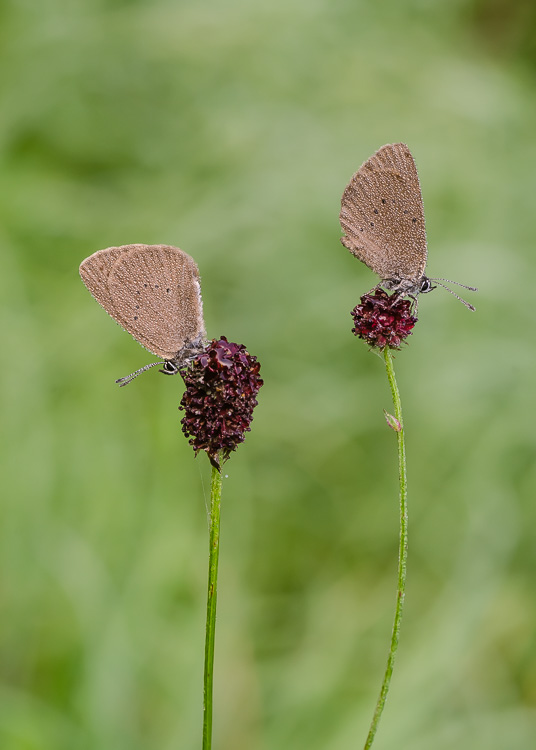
(426, 285)
(169, 368)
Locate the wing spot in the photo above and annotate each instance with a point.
(145, 285)
(414, 220)
(371, 223)
(405, 211)
(384, 201)
(168, 290)
(375, 210)
(135, 317)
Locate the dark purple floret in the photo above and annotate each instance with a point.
(221, 388)
(382, 320)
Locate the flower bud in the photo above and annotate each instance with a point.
(222, 383)
(382, 320)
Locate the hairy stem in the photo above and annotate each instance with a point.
(214, 548)
(402, 551)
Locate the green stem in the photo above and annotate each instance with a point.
(402, 551)
(214, 548)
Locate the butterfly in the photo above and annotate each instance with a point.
(382, 216)
(154, 293)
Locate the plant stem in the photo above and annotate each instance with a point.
(213, 552)
(402, 551)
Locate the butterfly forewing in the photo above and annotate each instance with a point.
(382, 215)
(95, 271)
(153, 291)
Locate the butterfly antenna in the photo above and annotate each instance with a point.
(471, 288)
(128, 378)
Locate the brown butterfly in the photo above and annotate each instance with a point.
(382, 216)
(154, 293)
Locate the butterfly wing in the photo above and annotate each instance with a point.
(382, 215)
(153, 291)
(95, 271)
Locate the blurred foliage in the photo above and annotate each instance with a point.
(230, 130)
(508, 27)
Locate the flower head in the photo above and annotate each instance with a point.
(382, 320)
(222, 383)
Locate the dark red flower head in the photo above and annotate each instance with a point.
(382, 320)
(221, 388)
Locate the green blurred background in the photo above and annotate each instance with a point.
(230, 129)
